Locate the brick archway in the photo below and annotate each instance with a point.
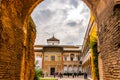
(16, 59)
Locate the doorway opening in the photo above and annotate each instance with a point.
(52, 71)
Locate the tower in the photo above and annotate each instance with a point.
(53, 41)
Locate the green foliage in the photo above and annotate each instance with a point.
(38, 74)
(93, 46)
(48, 79)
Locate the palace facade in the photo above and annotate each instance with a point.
(57, 58)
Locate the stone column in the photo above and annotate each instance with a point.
(43, 60)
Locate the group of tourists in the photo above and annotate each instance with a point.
(73, 74)
(58, 74)
(68, 74)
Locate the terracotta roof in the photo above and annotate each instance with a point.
(53, 39)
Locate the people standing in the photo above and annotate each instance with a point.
(68, 74)
(73, 75)
(60, 74)
(54, 74)
(85, 75)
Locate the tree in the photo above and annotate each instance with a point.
(38, 72)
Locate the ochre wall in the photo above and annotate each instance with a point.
(57, 63)
(109, 40)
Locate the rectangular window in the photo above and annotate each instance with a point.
(46, 58)
(52, 58)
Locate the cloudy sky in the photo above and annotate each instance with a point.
(66, 19)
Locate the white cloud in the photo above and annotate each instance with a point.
(66, 19)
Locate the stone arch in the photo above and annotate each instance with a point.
(117, 1)
(70, 68)
(75, 68)
(14, 15)
(65, 68)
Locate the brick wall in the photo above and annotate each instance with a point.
(16, 49)
(11, 43)
(29, 53)
(109, 38)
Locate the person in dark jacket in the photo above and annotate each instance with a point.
(85, 75)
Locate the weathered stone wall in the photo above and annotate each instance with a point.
(109, 38)
(29, 54)
(107, 16)
(11, 42)
(16, 56)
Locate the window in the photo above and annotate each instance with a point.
(65, 58)
(71, 58)
(65, 69)
(78, 58)
(52, 58)
(46, 58)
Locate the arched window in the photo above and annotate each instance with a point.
(65, 69)
(71, 57)
(75, 68)
(70, 69)
(65, 57)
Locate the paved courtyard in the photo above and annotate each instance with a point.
(71, 78)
